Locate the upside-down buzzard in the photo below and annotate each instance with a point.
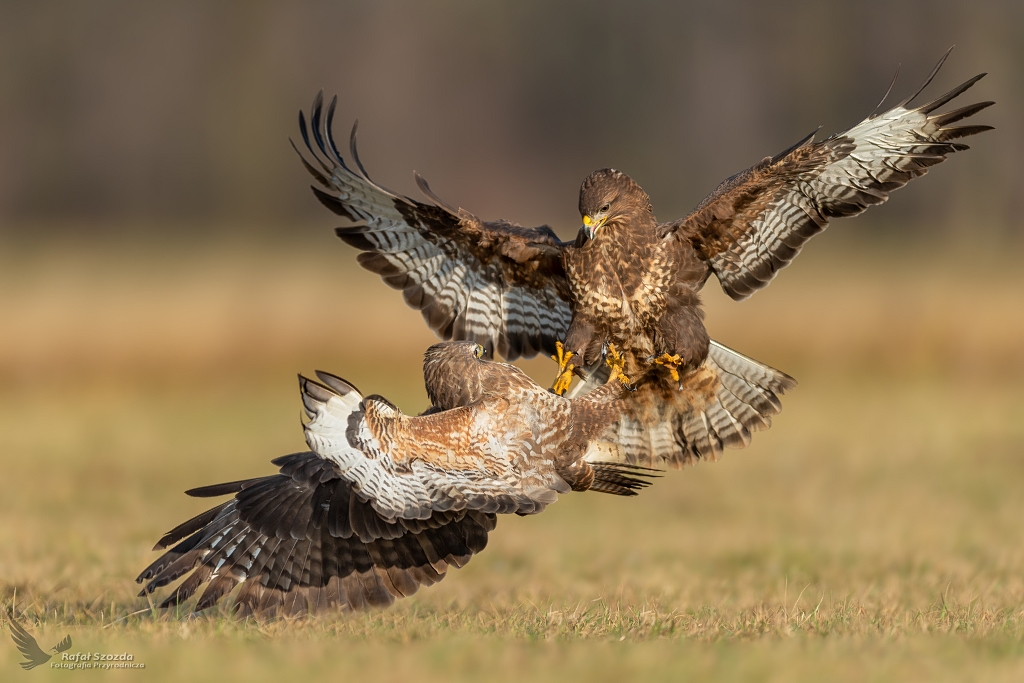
(384, 502)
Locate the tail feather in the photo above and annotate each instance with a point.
(719, 405)
(756, 374)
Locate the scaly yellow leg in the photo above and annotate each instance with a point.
(565, 369)
(617, 363)
(671, 362)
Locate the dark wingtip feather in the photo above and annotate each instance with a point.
(888, 91)
(283, 460)
(314, 122)
(783, 382)
(309, 403)
(341, 386)
(214, 490)
(961, 113)
(962, 132)
(332, 149)
(329, 150)
(305, 129)
(355, 152)
(421, 183)
(315, 390)
(938, 102)
(192, 525)
(362, 170)
(315, 172)
(929, 79)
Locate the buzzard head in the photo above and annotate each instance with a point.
(608, 197)
(457, 373)
(454, 352)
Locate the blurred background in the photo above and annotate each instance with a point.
(165, 270)
(124, 116)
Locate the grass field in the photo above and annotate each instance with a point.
(875, 533)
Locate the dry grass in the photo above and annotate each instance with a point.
(873, 534)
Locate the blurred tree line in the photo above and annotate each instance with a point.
(126, 117)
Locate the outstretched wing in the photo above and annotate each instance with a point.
(475, 457)
(755, 222)
(303, 541)
(498, 284)
(27, 646)
(717, 406)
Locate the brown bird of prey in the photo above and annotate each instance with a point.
(628, 285)
(383, 503)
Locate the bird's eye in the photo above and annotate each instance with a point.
(604, 209)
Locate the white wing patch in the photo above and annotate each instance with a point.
(401, 485)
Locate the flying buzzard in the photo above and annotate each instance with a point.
(384, 502)
(628, 285)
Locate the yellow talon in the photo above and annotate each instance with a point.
(672, 363)
(617, 363)
(565, 369)
(564, 380)
(562, 356)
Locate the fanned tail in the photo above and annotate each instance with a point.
(716, 406)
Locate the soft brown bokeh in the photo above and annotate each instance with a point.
(129, 113)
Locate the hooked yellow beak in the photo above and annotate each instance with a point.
(591, 226)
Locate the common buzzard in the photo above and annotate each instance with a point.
(383, 503)
(628, 285)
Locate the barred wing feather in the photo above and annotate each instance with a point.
(495, 283)
(474, 457)
(755, 222)
(303, 541)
